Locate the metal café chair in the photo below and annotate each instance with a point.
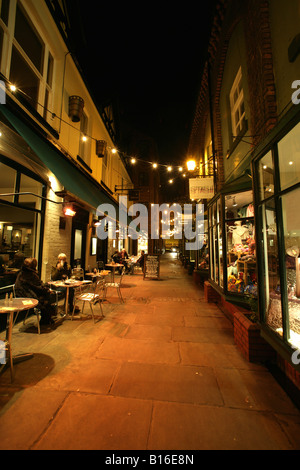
(78, 273)
(116, 285)
(96, 296)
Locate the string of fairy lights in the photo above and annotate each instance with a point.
(174, 171)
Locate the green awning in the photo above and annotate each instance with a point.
(71, 177)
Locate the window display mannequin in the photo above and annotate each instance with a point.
(239, 232)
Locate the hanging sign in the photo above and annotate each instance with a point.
(201, 188)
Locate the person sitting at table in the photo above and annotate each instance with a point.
(116, 257)
(29, 285)
(141, 260)
(61, 272)
(123, 259)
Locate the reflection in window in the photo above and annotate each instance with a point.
(266, 177)
(291, 223)
(271, 267)
(22, 75)
(289, 158)
(28, 39)
(215, 244)
(7, 182)
(240, 237)
(29, 185)
(19, 239)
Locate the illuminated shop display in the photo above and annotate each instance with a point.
(277, 173)
(240, 236)
(231, 226)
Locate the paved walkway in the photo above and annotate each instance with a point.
(160, 372)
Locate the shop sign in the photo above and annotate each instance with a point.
(201, 188)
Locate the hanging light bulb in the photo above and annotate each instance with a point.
(154, 165)
(191, 165)
(169, 169)
(133, 161)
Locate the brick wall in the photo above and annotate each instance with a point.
(56, 240)
(249, 341)
(261, 82)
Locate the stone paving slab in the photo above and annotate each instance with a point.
(165, 382)
(160, 371)
(98, 423)
(177, 426)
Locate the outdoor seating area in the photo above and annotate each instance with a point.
(92, 294)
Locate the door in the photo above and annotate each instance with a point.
(78, 241)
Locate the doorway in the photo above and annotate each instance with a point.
(78, 241)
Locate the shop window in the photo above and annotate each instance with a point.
(289, 158)
(237, 105)
(220, 244)
(7, 182)
(270, 271)
(266, 177)
(20, 221)
(240, 238)
(215, 244)
(291, 225)
(34, 188)
(19, 239)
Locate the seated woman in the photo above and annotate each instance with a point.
(29, 284)
(63, 271)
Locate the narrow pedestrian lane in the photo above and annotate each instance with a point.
(159, 372)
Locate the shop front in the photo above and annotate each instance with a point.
(276, 171)
(231, 236)
(21, 218)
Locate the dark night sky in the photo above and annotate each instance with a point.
(148, 57)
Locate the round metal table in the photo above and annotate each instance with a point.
(10, 307)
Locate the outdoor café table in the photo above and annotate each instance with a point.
(10, 307)
(114, 266)
(98, 274)
(67, 284)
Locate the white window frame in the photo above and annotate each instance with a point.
(9, 41)
(236, 103)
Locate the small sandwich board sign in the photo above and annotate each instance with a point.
(152, 267)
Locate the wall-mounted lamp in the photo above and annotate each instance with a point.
(69, 211)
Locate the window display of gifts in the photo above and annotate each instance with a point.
(242, 272)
